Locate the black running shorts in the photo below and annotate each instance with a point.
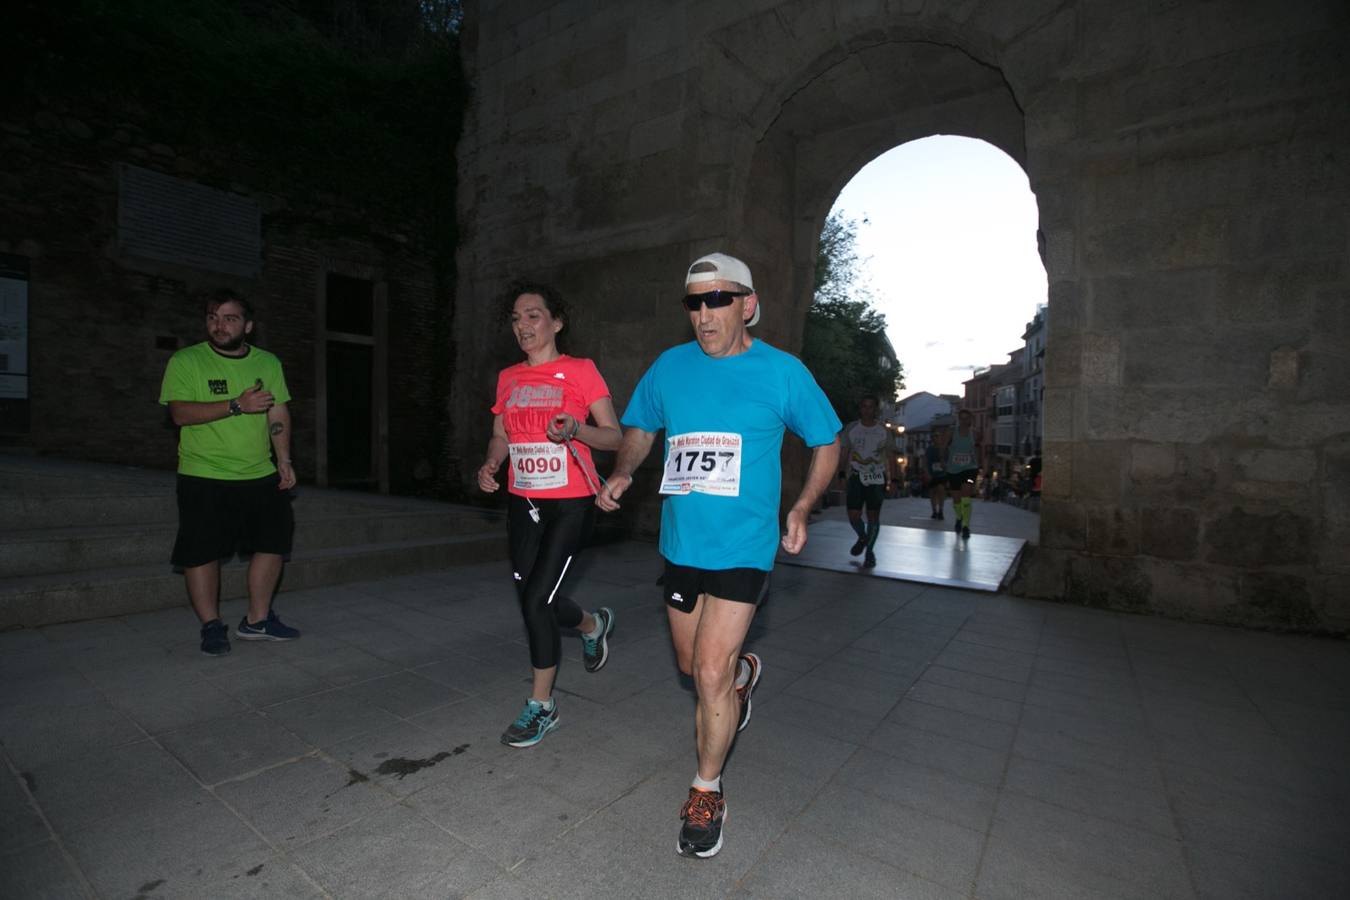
(218, 518)
(958, 480)
(858, 494)
(683, 584)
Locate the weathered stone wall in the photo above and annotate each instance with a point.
(1197, 326)
(103, 324)
(1189, 164)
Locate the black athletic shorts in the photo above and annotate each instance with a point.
(958, 480)
(683, 584)
(858, 494)
(219, 518)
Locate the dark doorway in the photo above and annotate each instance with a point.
(350, 377)
(350, 452)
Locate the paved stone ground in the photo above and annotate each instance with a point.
(907, 741)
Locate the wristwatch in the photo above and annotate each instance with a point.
(235, 408)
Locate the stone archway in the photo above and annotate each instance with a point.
(1187, 161)
(840, 113)
(900, 91)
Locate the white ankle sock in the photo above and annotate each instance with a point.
(742, 673)
(595, 629)
(714, 785)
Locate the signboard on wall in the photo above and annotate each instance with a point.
(171, 220)
(13, 327)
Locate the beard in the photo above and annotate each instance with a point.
(229, 345)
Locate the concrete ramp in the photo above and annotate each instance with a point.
(930, 556)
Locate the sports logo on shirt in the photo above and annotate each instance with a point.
(218, 386)
(531, 396)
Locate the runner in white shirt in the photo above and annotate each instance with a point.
(869, 448)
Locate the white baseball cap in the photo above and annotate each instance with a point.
(721, 267)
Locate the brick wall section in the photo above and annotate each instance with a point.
(292, 270)
(96, 315)
(418, 378)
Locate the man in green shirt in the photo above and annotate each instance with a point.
(229, 400)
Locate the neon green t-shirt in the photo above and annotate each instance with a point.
(234, 448)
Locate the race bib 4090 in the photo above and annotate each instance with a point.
(538, 466)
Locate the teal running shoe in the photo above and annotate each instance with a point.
(531, 725)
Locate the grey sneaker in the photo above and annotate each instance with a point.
(595, 650)
(531, 725)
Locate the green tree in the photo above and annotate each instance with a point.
(845, 344)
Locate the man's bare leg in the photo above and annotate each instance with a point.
(264, 571)
(203, 587)
(707, 646)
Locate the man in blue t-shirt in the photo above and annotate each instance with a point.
(723, 400)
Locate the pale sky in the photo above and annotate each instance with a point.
(949, 249)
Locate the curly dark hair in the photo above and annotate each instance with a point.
(553, 301)
(225, 295)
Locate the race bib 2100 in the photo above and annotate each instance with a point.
(873, 474)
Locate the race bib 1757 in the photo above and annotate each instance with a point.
(705, 461)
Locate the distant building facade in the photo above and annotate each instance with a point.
(979, 400)
(919, 409)
(1005, 382)
(1030, 428)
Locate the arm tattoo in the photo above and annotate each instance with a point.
(277, 428)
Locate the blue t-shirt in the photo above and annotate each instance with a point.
(934, 457)
(755, 394)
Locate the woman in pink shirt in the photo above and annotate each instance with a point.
(550, 410)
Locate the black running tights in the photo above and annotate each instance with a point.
(541, 553)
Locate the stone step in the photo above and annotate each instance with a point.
(23, 511)
(25, 474)
(83, 540)
(30, 601)
(53, 550)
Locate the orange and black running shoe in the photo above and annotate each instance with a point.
(703, 814)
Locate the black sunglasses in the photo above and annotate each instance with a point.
(714, 299)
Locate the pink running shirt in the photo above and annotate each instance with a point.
(528, 397)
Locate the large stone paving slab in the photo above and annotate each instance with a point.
(905, 741)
